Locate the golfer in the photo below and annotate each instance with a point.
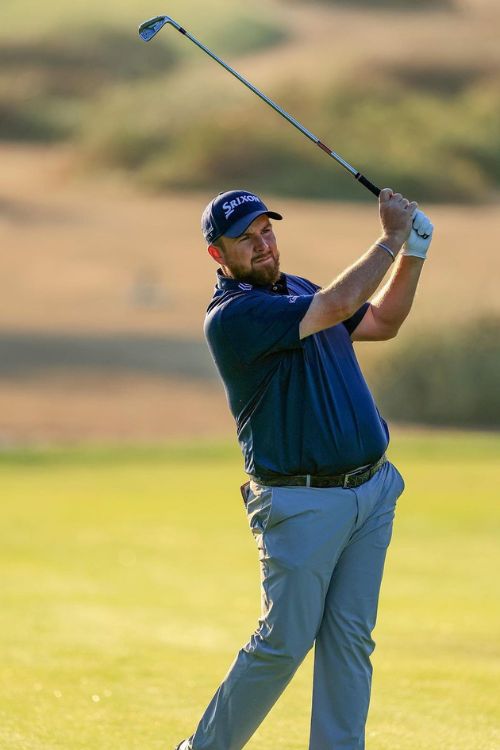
(321, 493)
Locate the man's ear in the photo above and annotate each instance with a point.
(215, 253)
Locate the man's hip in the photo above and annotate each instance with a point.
(354, 478)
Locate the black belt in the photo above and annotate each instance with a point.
(353, 478)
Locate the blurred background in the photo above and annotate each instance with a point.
(119, 471)
(110, 149)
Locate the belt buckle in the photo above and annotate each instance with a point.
(354, 473)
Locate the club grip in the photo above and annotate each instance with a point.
(369, 185)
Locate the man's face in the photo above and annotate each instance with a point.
(252, 257)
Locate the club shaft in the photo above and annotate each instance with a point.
(354, 172)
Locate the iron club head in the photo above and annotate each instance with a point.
(152, 26)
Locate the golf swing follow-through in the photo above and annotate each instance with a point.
(321, 493)
(150, 28)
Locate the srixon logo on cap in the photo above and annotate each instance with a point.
(230, 206)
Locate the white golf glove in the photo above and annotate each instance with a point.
(420, 237)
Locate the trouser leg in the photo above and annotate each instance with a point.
(342, 668)
(297, 533)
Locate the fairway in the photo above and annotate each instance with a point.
(129, 581)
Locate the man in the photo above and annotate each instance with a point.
(321, 496)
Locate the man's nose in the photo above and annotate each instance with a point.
(261, 243)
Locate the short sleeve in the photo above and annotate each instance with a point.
(353, 322)
(257, 325)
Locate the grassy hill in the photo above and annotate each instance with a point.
(409, 96)
(88, 114)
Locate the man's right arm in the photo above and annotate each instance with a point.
(345, 295)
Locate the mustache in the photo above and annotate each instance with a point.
(264, 256)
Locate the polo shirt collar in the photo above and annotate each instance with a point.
(226, 284)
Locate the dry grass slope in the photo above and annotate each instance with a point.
(94, 256)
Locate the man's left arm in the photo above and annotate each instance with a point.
(391, 306)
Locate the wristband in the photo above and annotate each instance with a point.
(387, 250)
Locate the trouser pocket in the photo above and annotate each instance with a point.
(244, 492)
(258, 503)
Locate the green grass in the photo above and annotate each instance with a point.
(129, 580)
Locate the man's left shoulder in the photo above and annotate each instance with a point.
(300, 285)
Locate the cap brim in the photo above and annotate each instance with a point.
(239, 227)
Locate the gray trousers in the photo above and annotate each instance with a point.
(322, 554)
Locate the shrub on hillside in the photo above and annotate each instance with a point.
(448, 378)
(46, 83)
(27, 122)
(79, 64)
(414, 139)
(242, 34)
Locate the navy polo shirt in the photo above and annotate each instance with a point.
(301, 406)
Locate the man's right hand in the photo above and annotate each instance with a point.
(396, 215)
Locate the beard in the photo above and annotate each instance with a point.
(261, 274)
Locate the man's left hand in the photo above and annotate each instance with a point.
(420, 237)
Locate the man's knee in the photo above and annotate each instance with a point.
(282, 656)
(353, 635)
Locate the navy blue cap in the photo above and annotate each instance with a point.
(230, 213)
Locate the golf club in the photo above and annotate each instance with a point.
(151, 27)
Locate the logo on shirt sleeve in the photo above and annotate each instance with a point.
(292, 300)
